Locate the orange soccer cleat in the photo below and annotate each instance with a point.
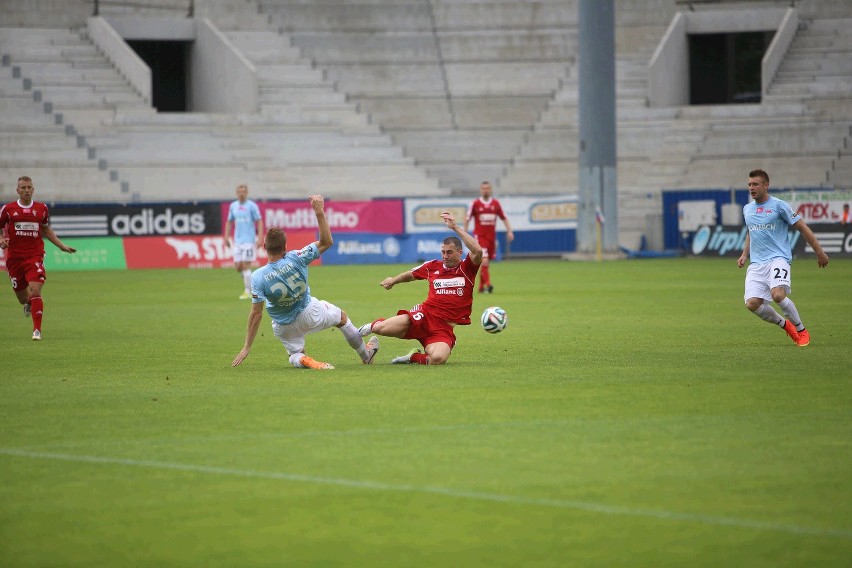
(314, 364)
(791, 331)
(804, 338)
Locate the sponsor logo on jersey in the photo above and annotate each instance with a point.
(24, 226)
(488, 218)
(762, 227)
(439, 283)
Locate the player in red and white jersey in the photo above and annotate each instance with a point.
(484, 212)
(448, 303)
(23, 225)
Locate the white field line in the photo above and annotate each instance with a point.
(448, 492)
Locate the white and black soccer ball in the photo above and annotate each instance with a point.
(494, 319)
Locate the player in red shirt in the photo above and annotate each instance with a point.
(484, 212)
(23, 224)
(448, 304)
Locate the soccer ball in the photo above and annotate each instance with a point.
(494, 319)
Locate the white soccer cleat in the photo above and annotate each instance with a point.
(372, 349)
(245, 296)
(36, 335)
(365, 329)
(404, 359)
(27, 310)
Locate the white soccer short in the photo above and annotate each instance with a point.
(318, 316)
(244, 252)
(762, 278)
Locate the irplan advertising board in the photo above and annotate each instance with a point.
(719, 240)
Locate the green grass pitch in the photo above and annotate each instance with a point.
(632, 414)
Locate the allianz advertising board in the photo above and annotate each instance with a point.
(372, 248)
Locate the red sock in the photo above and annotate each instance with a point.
(420, 359)
(37, 310)
(485, 280)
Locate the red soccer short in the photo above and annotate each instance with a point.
(22, 271)
(489, 247)
(427, 328)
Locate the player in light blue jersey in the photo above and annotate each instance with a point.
(767, 245)
(244, 216)
(282, 287)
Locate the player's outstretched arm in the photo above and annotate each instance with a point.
(48, 233)
(255, 315)
(392, 281)
(325, 241)
(472, 244)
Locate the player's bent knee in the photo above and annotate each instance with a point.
(753, 304)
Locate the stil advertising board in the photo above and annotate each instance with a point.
(195, 251)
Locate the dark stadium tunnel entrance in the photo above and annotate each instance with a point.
(169, 63)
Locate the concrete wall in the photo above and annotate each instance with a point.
(223, 80)
(116, 50)
(668, 71)
(774, 56)
(153, 28)
(220, 78)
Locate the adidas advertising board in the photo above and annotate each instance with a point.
(136, 220)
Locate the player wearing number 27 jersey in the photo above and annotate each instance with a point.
(767, 245)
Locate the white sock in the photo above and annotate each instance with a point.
(247, 279)
(792, 313)
(353, 338)
(766, 313)
(296, 360)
